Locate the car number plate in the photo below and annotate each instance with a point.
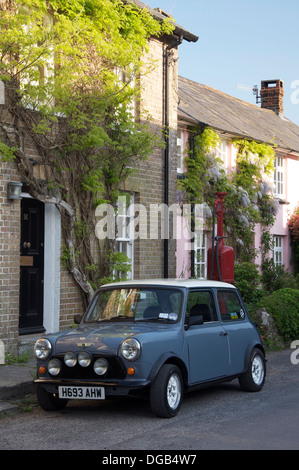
(83, 393)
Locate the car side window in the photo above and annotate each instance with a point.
(201, 302)
(230, 306)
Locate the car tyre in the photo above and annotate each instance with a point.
(49, 401)
(254, 378)
(166, 392)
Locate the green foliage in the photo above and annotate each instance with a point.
(277, 277)
(7, 154)
(283, 306)
(247, 279)
(254, 174)
(119, 268)
(249, 198)
(71, 70)
(254, 160)
(204, 172)
(12, 359)
(293, 224)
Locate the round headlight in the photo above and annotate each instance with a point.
(54, 367)
(42, 348)
(70, 359)
(84, 359)
(100, 366)
(130, 349)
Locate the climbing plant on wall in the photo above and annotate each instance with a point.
(293, 224)
(254, 173)
(249, 188)
(70, 71)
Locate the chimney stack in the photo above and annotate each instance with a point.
(272, 95)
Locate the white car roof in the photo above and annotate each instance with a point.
(172, 283)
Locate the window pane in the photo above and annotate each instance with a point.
(278, 251)
(201, 303)
(230, 306)
(133, 304)
(200, 255)
(278, 176)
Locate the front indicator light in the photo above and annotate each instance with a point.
(100, 366)
(54, 367)
(131, 371)
(84, 359)
(42, 370)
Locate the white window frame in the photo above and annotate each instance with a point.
(125, 230)
(279, 176)
(221, 152)
(121, 76)
(278, 250)
(46, 72)
(200, 255)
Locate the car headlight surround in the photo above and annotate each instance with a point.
(130, 349)
(100, 366)
(70, 359)
(84, 359)
(54, 366)
(42, 348)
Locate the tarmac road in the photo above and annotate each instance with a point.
(220, 417)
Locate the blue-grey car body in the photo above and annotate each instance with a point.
(206, 352)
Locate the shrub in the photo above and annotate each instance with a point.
(283, 306)
(276, 277)
(293, 224)
(247, 279)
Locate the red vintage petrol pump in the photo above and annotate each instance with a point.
(220, 257)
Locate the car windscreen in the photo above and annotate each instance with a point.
(135, 304)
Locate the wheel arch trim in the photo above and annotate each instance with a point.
(169, 358)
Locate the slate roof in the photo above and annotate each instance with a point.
(202, 104)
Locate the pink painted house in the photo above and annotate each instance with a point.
(199, 106)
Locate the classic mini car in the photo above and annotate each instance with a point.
(158, 337)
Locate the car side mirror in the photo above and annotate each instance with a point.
(194, 320)
(78, 319)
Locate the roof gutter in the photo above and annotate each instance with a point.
(159, 16)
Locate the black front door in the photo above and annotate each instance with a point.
(32, 266)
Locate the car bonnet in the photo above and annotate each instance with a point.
(104, 339)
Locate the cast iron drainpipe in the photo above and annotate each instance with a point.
(167, 150)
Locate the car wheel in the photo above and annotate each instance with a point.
(254, 378)
(166, 392)
(49, 401)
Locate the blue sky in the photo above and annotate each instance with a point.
(241, 43)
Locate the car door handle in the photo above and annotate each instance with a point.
(223, 333)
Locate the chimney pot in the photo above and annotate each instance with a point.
(272, 95)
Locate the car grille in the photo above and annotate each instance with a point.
(115, 370)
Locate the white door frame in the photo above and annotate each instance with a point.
(52, 240)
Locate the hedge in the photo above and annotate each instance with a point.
(283, 306)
